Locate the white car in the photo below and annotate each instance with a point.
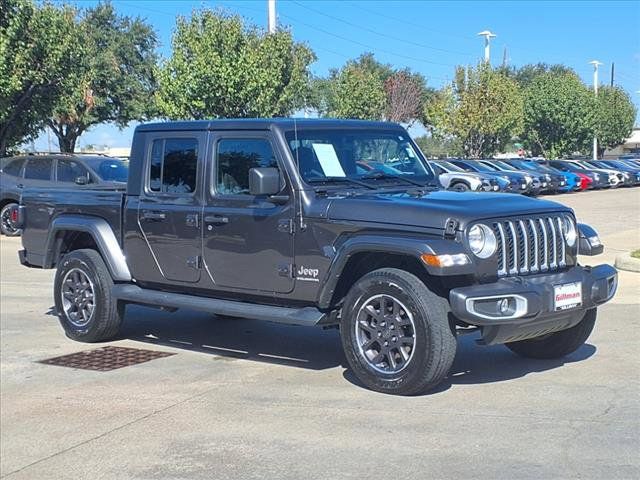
(454, 178)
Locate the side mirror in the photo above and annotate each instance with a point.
(81, 180)
(264, 181)
(588, 241)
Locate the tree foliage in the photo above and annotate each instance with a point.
(559, 115)
(616, 114)
(39, 48)
(220, 67)
(355, 92)
(365, 88)
(405, 93)
(113, 81)
(483, 109)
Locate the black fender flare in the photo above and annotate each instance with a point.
(102, 234)
(410, 246)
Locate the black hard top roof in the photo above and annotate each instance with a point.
(263, 124)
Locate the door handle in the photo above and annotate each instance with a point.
(146, 215)
(19, 185)
(216, 219)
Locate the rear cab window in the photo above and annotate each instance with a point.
(173, 166)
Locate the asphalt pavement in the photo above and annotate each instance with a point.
(244, 399)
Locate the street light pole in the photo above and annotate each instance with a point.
(271, 16)
(487, 46)
(595, 64)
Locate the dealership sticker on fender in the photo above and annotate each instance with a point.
(567, 296)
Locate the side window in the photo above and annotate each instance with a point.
(235, 157)
(174, 165)
(38, 169)
(14, 167)
(70, 170)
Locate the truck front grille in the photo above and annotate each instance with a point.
(530, 245)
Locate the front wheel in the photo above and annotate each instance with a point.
(460, 187)
(558, 344)
(6, 228)
(82, 293)
(395, 333)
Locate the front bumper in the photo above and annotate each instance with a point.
(534, 295)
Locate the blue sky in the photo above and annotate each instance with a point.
(428, 37)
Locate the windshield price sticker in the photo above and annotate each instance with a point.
(328, 160)
(567, 296)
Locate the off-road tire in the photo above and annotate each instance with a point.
(106, 318)
(6, 229)
(558, 344)
(434, 345)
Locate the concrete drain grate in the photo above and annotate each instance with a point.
(106, 358)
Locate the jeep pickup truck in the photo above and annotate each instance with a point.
(318, 222)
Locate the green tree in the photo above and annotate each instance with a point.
(440, 147)
(368, 89)
(219, 67)
(616, 114)
(113, 81)
(483, 109)
(559, 115)
(39, 48)
(356, 92)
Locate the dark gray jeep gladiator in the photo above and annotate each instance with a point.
(318, 222)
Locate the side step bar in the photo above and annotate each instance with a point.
(308, 316)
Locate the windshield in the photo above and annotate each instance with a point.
(490, 167)
(503, 165)
(328, 155)
(450, 166)
(109, 169)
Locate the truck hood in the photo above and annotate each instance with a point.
(433, 209)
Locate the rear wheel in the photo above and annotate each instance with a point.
(558, 344)
(82, 292)
(395, 333)
(5, 221)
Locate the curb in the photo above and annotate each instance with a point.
(625, 261)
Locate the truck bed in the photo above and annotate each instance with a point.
(42, 206)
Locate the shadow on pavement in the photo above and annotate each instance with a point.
(314, 348)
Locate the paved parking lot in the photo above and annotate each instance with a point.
(243, 399)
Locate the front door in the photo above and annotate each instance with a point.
(248, 240)
(170, 207)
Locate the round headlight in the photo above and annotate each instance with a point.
(482, 241)
(569, 231)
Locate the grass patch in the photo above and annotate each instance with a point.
(636, 253)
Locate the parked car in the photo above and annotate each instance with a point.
(538, 181)
(555, 181)
(631, 174)
(598, 180)
(270, 219)
(616, 177)
(518, 182)
(455, 178)
(54, 171)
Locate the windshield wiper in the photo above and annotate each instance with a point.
(340, 180)
(384, 175)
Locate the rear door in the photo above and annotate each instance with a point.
(170, 206)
